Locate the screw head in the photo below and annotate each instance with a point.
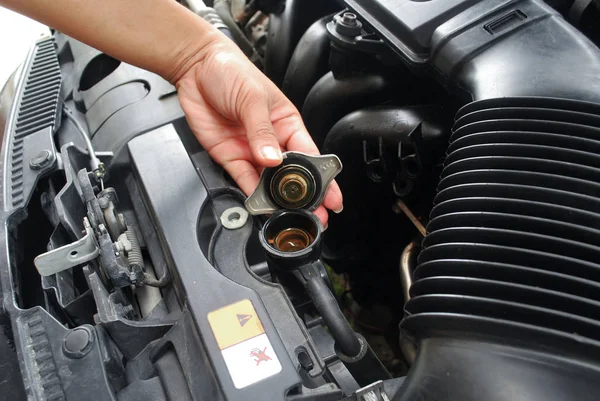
(103, 203)
(78, 342)
(40, 160)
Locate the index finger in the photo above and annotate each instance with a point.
(243, 173)
(301, 141)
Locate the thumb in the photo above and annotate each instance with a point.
(256, 120)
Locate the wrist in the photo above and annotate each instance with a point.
(192, 52)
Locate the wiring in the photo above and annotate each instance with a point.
(96, 165)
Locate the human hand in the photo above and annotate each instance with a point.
(242, 119)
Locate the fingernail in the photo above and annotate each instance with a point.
(338, 211)
(271, 153)
(325, 226)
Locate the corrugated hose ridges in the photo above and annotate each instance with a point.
(513, 243)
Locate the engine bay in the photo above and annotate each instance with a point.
(464, 135)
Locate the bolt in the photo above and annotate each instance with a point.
(103, 202)
(349, 19)
(348, 25)
(77, 342)
(40, 160)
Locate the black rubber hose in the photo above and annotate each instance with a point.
(223, 8)
(285, 30)
(309, 62)
(328, 308)
(331, 99)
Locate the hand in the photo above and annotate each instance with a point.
(242, 119)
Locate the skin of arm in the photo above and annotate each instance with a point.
(133, 31)
(238, 115)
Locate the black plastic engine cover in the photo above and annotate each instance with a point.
(156, 156)
(408, 25)
(173, 195)
(489, 49)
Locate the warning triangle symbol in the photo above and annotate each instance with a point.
(243, 319)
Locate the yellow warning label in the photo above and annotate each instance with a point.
(235, 323)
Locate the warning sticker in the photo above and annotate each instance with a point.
(247, 351)
(251, 361)
(235, 323)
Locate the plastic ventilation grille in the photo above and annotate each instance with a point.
(38, 108)
(513, 243)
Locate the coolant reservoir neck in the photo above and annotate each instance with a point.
(291, 239)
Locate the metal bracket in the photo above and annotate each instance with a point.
(325, 166)
(372, 392)
(68, 256)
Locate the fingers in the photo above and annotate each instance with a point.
(243, 173)
(256, 119)
(333, 198)
(300, 141)
(321, 213)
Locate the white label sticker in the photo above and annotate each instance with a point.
(251, 361)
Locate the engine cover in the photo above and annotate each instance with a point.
(470, 46)
(406, 24)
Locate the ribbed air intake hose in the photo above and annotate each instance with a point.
(509, 275)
